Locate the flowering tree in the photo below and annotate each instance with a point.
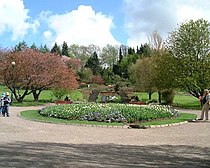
(34, 72)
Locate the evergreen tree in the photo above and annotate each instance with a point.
(44, 49)
(120, 55)
(21, 46)
(94, 64)
(34, 47)
(65, 49)
(131, 51)
(56, 49)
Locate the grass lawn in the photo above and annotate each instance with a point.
(47, 96)
(183, 117)
(181, 99)
(34, 115)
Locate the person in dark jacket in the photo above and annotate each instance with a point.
(6, 103)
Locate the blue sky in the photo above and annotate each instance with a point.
(99, 22)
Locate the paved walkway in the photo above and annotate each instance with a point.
(25, 143)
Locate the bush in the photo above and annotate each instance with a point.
(59, 92)
(168, 96)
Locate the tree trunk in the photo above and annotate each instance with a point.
(36, 95)
(150, 94)
(159, 97)
(19, 99)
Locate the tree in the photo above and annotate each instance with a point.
(85, 75)
(21, 46)
(65, 49)
(144, 50)
(156, 43)
(34, 47)
(143, 73)
(44, 49)
(189, 45)
(56, 49)
(34, 72)
(120, 56)
(109, 56)
(97, 79)
(94, 64)
(108, 75)
(79, 52)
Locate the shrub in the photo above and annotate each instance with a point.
(168, 96)
(59, 92)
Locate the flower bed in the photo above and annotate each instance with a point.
(109, 112)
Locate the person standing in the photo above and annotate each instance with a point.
(6, 102)
(206, 105)
(2, 103)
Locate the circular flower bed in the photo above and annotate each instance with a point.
(109, 112)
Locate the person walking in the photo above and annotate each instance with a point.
(206, 105)
(6, 102)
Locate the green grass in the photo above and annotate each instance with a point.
(183, 117)
(47, 96)
(76, 95)
(34, 115)
(186, 101)
(27, 103)
(181, 99)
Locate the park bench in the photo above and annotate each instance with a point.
(63, 102)
(138, 103)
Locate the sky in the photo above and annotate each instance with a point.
(98, 22)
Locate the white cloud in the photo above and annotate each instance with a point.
(48, 38)
(145, 16)
(13, 18)
(82, 26)
(47, 35)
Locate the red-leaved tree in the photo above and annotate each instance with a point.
(34, 72)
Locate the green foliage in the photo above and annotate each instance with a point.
(94, 64)
(109, 55)
(76, 95)
(85, 75)
(34, 47)
(144, 50)
(167, 96)
(44, 49)
(56, 49)
(59, 93)
(64, 50)
(143, 74)
(164, 69)
(189, 45)
(21, 46)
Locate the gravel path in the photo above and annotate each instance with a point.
(25, 143)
